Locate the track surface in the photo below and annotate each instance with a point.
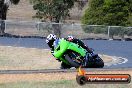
(112, 48)
(57, 70)
(106, 47)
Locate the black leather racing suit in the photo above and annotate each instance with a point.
(80, 43)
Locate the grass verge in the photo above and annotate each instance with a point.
(60, 84)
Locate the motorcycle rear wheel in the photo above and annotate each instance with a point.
(95, 62)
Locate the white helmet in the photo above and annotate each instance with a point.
(50, 37)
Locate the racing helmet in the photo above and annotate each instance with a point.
(70, 38)
(51, 38)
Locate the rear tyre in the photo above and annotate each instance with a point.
(99, 62)
(95, 62)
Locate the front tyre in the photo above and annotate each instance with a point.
(65, 66)
(71, 57)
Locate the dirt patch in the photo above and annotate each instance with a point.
(26, 58)
(7, 78)
(30, 58)
(17, 12)
(17, 58)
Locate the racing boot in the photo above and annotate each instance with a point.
(89, 50)
(85, 61)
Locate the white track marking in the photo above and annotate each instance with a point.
(116, 60)
(24, 47)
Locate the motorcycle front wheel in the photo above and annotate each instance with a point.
(71, 57)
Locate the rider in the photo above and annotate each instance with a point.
(80, 43)
(52, 39)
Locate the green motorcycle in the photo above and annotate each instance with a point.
(73, 55)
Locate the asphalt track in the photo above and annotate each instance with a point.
(126, 66)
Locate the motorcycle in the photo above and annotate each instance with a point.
(73, 55)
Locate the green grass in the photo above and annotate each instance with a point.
(60, 84)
